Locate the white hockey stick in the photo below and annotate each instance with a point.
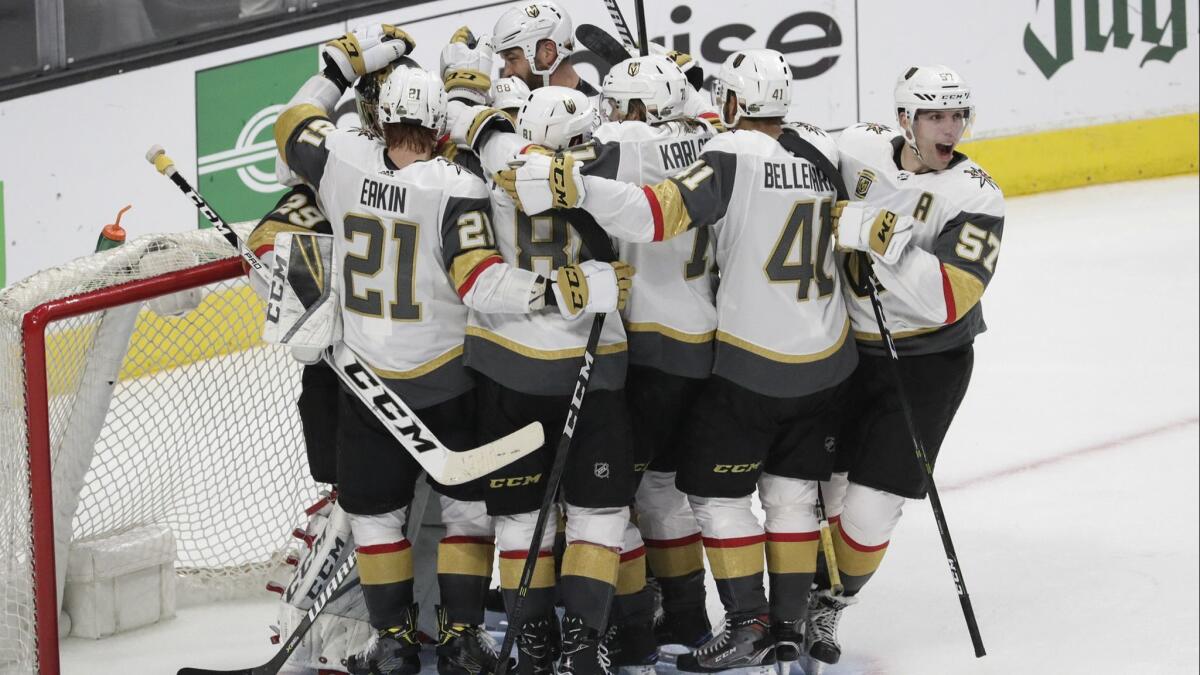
(445, 466)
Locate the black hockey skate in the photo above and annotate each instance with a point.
(745, 643)
(464, 650)
(537, 646)
(583, 649)
(632, 648)
(393, 651)
(789, 639)
(690, 628)
(820, 629)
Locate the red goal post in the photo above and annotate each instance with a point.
(121, 411)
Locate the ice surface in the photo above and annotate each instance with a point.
(1070, 477)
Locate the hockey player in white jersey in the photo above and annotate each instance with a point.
(932, 277)
(767, 416)
(670, 321)
(412, 233)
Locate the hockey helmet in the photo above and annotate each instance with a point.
(509, 93)
(413, 96)
(654, 80)
(931, 88)
(527, 25)
(762, 81)
(557, 118)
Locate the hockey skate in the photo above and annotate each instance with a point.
(464, 650)
(537, 646)
(632, 648)
(583, 649)
(744, 643)
(789, 638)
(392, 651)
(821, 646)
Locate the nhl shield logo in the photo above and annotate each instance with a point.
(600, 469)
(865, 178)
(634, 68)
(569, 105)
(830, 444)
(533, 11)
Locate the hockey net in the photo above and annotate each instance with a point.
(115, 416)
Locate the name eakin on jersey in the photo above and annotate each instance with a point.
(931, 295)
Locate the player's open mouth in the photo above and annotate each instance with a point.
(944, 149)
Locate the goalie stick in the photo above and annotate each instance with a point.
(445, 466)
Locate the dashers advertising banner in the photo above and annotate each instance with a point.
(236, 107)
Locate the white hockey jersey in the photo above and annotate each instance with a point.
(931, 294)
(412, 242)
(782, 326)
(671, 316)
(537, 353)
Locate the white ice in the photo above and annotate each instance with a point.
(1070, 476)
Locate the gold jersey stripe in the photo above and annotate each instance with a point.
(967, 289)
(291, 119)
(676, 561)
(591, 561)
(470, 558)
(734, 562)
(465, 263)
(793, 557)
(423, 369)
(542, 354)
(631, 577)
(543, 572)
(740, 343)
(675, 217)
(674, 334)
(392, 567)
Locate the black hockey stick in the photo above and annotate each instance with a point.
(618, 19)
(446, 467)
(601, 43)
(332, 591)
(803, 149)
(639, 11)
(601, 248)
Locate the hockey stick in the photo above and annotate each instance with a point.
(332, 591)
(618, 19)
(639, 13)
(601, 43)
(600, 247)
(831, 568)
(445, 466)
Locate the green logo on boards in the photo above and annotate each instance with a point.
(236, 107)
(1166, 32)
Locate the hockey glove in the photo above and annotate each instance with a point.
(466, 66)
(592, 287)
(543, 182)
(364, 50)
(691, 67)
(859, 227)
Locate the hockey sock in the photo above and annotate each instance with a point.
(513, 534)
(792, 542)
(588, 582)
(634, 602)
(464, 562)
(674, 553)
(385, 567)
(862, 532)
(733, 542)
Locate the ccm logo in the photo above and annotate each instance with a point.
(736, 468)
(519, 481)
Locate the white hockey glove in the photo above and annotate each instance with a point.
(467, 64)
(303, 307)
(364, 50)
(465, 123)
(539, 182)
(284, 174)
(592, 287)
(858, 227)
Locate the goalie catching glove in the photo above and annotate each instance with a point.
(592, 287)
(364, 50)
(858, 227)
(466, 63)
(303, 307)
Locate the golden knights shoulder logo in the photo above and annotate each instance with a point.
(569, 105)
(533, 11)
(982, 176)
(634, 68)
(863, 184)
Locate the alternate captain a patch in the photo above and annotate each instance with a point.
(865, 178)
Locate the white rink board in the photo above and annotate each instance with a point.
(1070, 477)
(73, 156)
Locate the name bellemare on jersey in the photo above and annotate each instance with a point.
(427, 225)
(931, 295)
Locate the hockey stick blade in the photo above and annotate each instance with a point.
(443, 465)
(601, 43)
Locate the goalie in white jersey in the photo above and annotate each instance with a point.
(933, 268)
(767, 416)
(412, 235)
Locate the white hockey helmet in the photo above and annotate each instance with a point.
(557, 118)
(931, 88)
(527, 25)
(413, 96)
(509, 92)
(654, 80)
(366, 94)
(762, 80)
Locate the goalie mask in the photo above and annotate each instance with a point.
(366, 94)
(413, 96)
(527, 25)
(557, 118)
(654, 80)
(762, 81)
(931, 88)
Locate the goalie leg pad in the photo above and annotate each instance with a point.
(303, 308)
